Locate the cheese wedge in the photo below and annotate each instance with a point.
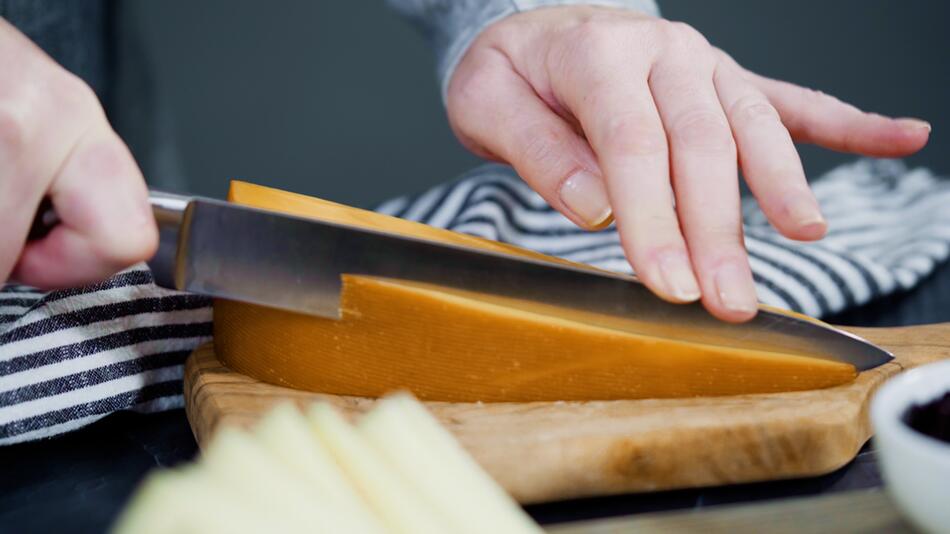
(434, 463)
(452, 345)
(397, 504)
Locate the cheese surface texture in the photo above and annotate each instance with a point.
(453, 345)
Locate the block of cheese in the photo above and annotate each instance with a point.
(451, 345)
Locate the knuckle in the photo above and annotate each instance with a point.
(652, 248)
(752, 108)
(633, 134)
(723, 238)
(467, 89)
(684, 36)
(703, 130)
(71, 92)
(13, 135)
(597, 36)
(779, 172)
(665, 29)
(658, 227)
(72, 103)
(64, 102)
(591, 29)
(686, 32)
(544, 146)
(108, 158)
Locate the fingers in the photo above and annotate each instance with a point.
(814, 117)
(105, 220)
(55, 141)
(503, 116)
(705, 178)
(35, 137)
(768, 158)
(19, 195)
(625, 130)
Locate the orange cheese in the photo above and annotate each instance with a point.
(453, 345)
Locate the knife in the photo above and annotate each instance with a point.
(224, 250)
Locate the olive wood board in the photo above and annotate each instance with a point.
(545, 451)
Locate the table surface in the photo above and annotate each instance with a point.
(80, 481)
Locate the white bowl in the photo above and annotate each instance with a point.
(916, 467)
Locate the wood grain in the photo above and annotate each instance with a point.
(544, 451)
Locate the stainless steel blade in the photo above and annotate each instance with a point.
(292, 263)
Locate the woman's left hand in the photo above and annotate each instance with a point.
(613, 112)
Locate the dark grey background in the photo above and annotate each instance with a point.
(338, 99)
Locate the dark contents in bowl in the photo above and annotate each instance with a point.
(932, 418)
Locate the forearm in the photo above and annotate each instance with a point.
(452, 25)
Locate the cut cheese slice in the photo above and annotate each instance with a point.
(397, 504)
(190, 501)
(436, 465)
(238, 460)
(401, 473)
(286, 434)
(452, 345)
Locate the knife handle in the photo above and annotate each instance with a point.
(169, 210)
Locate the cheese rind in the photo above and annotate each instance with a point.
(451, 345)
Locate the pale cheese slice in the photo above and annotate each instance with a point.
(387, 491)
(286, 434)
(190, 501)
(429, 457)
(235, 458)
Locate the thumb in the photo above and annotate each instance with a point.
(495, 109)
(105, 224)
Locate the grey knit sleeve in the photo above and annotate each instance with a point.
(450, 26)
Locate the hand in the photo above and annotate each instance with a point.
(55, 141)
(610, 112)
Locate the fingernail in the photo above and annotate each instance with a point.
(678, 277)
(585, 195)
(734, 290)
(915, 124)
(804, 212)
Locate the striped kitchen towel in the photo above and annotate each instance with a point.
(68, 358)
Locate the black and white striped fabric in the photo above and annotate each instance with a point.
(68, 358)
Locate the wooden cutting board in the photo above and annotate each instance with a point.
(547, 451)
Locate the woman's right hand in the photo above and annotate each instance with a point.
(56, 142)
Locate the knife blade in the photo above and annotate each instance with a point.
(234, 252)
